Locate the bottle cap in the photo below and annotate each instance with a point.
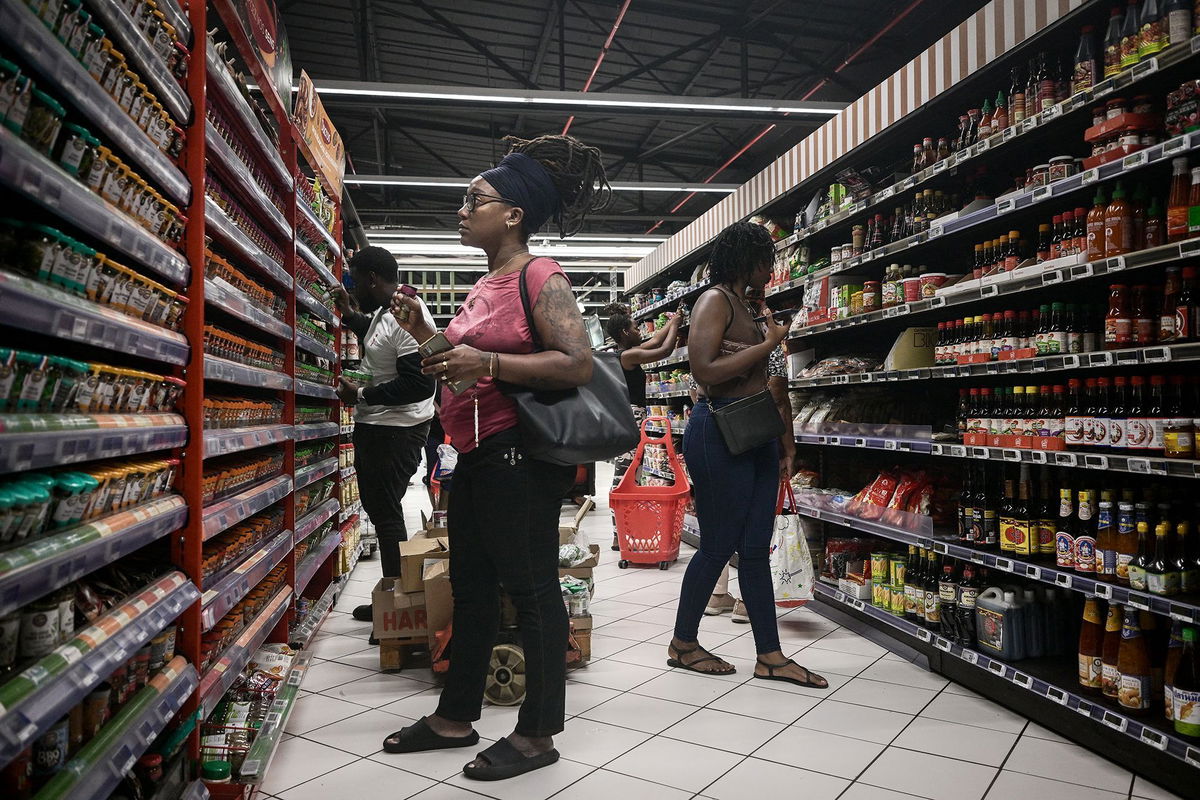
(1138, 380)
(1059, 388)
(216, 770)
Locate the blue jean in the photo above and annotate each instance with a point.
(735, 505)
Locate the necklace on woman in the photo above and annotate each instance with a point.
(496, 272)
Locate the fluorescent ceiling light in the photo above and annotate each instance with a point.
(446, 249)
(458, 184)
(581, 237)
(588, 266)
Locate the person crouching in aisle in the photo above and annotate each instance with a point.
(392, 412)
(504, 510)
(735, 494)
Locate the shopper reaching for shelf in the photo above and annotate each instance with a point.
(505, 505)
(392, 413)
(736, 492)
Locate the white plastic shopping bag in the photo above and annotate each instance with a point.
(446, 462)
(791, 565)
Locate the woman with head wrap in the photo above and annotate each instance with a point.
(503, 515)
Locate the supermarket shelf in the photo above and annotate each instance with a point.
(144, 60)
(665, 393)
(234, 440)
(220, 294)
(220, 84)
(317, 264)
(226, 371)
(311, 345)
(226, 593)
(691, 531)
(310, 389)
(901, 438)
(301, 637)
(349, 511)
(258, 759)
(317, 517)
(43, 693)
(33, 441)
(343, 474)
(36, 44)
(225, 670)
(1137, 730)
(48, 310)
(222, 228)
(1186, 610)
(315, 557)
(54, 560)
(34, 177)
(674, 431)
(315, 430)
(347, 429)
(680, 356)
(102, 763)
(1079, 101)
(312, 304)
(689, 292)
(178, 19)
(314, 472)
(311, 216)
(236, 171)
(1172, 467)
(1131, 357)
(222, 514)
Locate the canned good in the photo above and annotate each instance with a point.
(898, 572)
(880, 567)
(1041, 175)
(1061, 167)
(896, 603)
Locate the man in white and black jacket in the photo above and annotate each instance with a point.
(392, 412)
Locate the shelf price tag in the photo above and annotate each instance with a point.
(1052, 277)
(924, 635)
(1103, 87)
(1005, 205)
(1182, 613)
(884, 194)
(1089, 176)
(984, 146)
(942, 644)
(1115, 721)
(1138, 601)
(1156, 355)
(1172, 146)
(1042, 193)
(1057, 695)
(1010, 132)
(1033, 572)
(996, 667)
(1010, 455)
(1141, 465)
(1022, 680)
(1028, 124)
(1191, 754)
(1095, 462)
(1063, 579)
(1134, 160)
(936, 229)
(1144, 68)
(970, 656)
(1037, 456)
(1153, 738)
(1104, 591)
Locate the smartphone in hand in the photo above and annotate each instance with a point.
(405, 312)
(438, 343)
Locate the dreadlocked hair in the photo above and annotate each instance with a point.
(578, 173)
(738, 250)
(619, 319)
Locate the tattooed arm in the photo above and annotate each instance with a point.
(566, 361)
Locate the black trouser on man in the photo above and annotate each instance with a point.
(385, 458)
(503, 519)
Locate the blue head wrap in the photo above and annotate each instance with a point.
(526, 182)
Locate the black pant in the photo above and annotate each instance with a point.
(385, 458)
(503, 520)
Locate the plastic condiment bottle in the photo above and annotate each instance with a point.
(1095, 227)
(1112, 44)
(1177, 201)
(1154, 232)
(1118, 225)
(1194, 204)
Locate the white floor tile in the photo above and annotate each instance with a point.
(1011, 785)
(537, 785)
(684, 687)
(820, 752)
(415, 706)
(607, 646)
(646, 714)
(661, 615)
(890, 696)
(857, 722)
(753, 700)
(298, 760)
(605, 785)
(950, 739)
(1038, 732)
(974, 711)
(1068, 762)
(633, 630)
(497, 721)
(444, 791)
(646, 654)
(724, 731)
(863, 791)
(377, 690)
(827, 661)
(361, 735)
(741, 647)
(904, 674)
(367, 659)
(1145, 790)
(360, 779)
(755, 778)
(615, 674)
(928, 776)
(316, 711)
(845, 641)
(584, 696)
(328, 674)
(618, 609)
(596, 743)
(679, 764)
(347, 625)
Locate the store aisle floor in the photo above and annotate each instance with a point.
(886, 729)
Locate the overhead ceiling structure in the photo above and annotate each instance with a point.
(686, 98)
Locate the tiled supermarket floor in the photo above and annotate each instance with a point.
(885, 730)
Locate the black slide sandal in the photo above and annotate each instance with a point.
(807, 683)
(506, 761)
(419, 737)
(691, 665)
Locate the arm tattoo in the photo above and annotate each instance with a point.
(560, 327)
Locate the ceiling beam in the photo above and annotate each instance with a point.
(475, 44)
(619, 46)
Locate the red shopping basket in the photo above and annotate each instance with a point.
(649, 519)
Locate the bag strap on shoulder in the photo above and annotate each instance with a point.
(523, 285)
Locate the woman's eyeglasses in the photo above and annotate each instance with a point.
(473, 200)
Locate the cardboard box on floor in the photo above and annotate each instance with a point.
(428, 531)
(439, 600)
(413, 555)
(582, 571)
(566, 533)
(397, 614)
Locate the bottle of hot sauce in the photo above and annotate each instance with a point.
(1095, 227)
(1080, 243)
(1177, 201)
(1155, 232)
(1167, 331)
(1118, 225)
(1118, 324)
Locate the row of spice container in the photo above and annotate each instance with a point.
(232, 546)
(228, 345)
(36, 383)
(244, 221)
(313, 495)
(247, 162)
(217, 268)
(215, 641)
(224, 477)
(240, 412)
(312, 452)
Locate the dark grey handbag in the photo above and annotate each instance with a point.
(589, 423)
(749, 422)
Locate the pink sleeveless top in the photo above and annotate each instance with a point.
(492, 320)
